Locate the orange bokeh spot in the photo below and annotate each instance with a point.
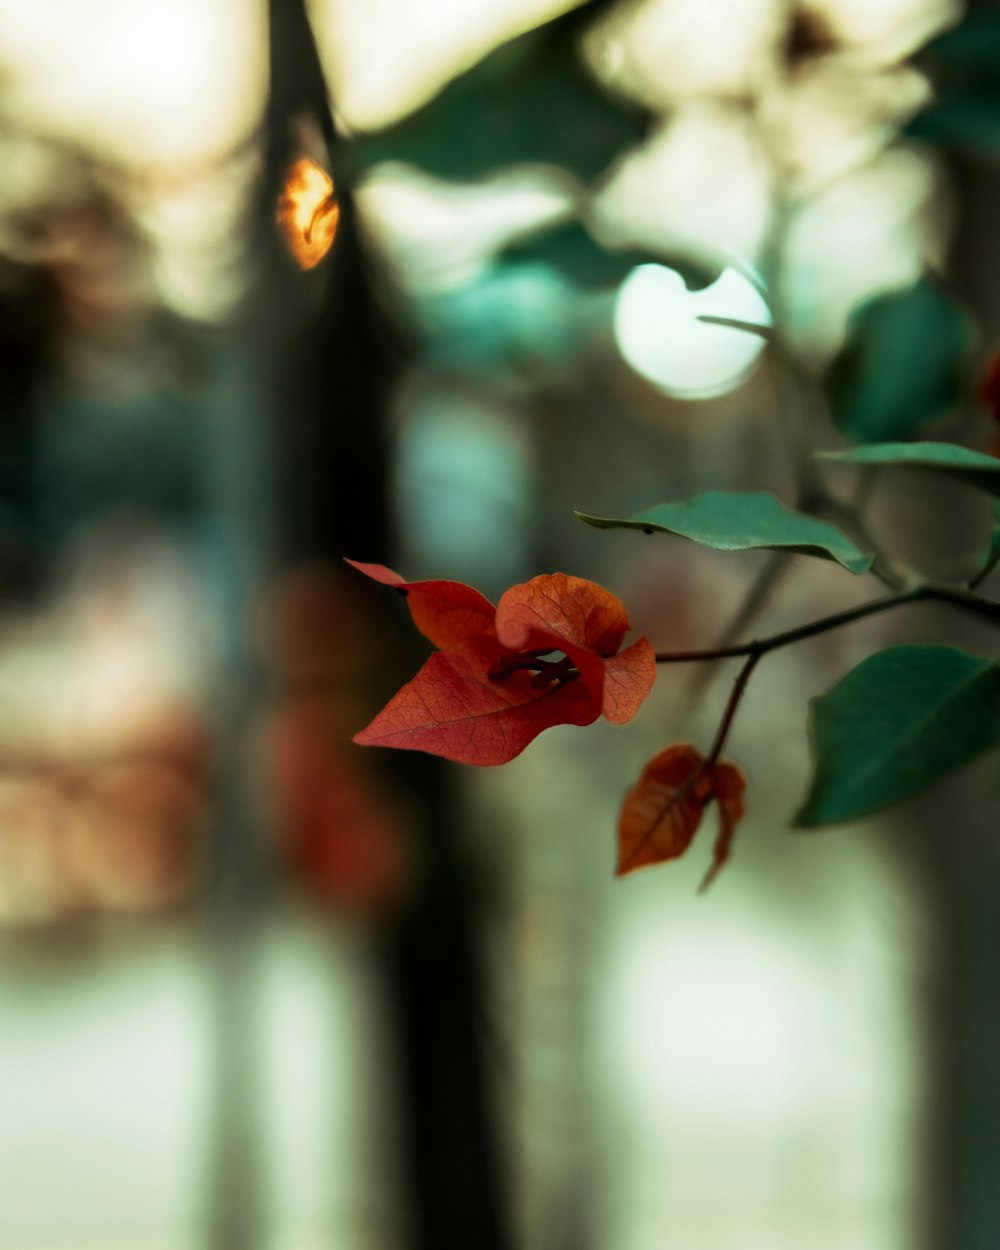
(308, 212)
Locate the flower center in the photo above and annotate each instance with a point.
(549, 673)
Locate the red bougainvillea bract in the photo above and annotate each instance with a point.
(663, 810)
(547, 654)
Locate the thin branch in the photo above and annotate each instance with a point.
(729, 712)
(985, 571)
(966, 600)
(734, 323)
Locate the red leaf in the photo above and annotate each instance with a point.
(490, 690)
(728, 785)
(662, 812)
(628, 678)
(561, 610)
(989, 388)
(452, 708)
(556, 612)
(444, 612)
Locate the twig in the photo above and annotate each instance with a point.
(978, 605)
(734, 323)
(729, 712)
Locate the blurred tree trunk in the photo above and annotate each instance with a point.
(963, 853)
(324, 359)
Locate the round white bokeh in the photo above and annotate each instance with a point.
(659, 334)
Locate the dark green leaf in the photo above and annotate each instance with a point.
(974, 468)
(991, 557)
(577, 257)
(900, 365)
(740, 520)
(969, 122)
(973, 42)
(531, 100)
(894, 725)
(507, 317)
(965, 110)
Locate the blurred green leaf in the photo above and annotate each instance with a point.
(974, 468)
(962, 63)
(531, 100)
(900, 365)
(991, 557)
(740, 521)
(894, 725)
(578, 258)
(509, 316)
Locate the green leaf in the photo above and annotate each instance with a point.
(894, 725)
(572, 252)
(900, 365)
(507, 317)
(965, 111)
(741, 520)
(531, 100)
(991, 557)
(969, 121)
(974, 468)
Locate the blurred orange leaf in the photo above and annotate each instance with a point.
(308, 212)
(663, 810)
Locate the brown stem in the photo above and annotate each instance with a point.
(966, 600)
(729, 712)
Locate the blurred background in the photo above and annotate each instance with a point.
(410, 282)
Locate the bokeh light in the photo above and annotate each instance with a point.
(661, 334)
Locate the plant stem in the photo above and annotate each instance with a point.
(729, 712)
(705, 767)
(986, 570)
(734, 323)
(964, 599)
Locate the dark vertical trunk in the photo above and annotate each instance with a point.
(325, 358)
(963, 855)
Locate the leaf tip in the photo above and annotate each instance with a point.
(859, 564)
(804, 818)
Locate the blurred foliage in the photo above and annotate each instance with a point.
(947, 459)
(529, 101)
(965, 111)
(743, 521)
(901, 364)
(139, 456)
(572, 251)
(901, 720)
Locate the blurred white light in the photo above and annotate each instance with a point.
(440, 235)
(157, 83)
(387, 57)
(659, 332)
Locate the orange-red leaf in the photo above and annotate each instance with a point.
(451, 708)
(662, 812)
(728, 788)
(495, 684)
(628, 678)
(989, 389)
(444, 612)
(563, 613)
